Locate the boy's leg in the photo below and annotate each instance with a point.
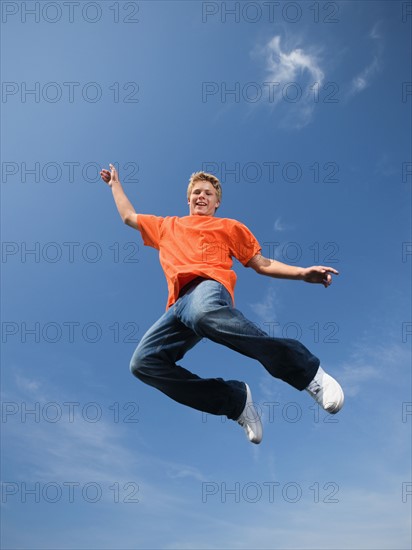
(207, 310)
(154, 362)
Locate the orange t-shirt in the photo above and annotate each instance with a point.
(197, 246)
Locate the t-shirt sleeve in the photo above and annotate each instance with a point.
(150, 228)
(243, 243)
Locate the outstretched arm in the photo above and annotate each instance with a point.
(272, 268)
(124, 206)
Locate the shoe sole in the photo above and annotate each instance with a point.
(335, 406)
(253, 438)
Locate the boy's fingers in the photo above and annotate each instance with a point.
(327, 281)
(113, 171)
(330, 270)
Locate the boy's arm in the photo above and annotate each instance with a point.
(124, 206)
(272, 268)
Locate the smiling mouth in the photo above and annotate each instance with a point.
(201, 204)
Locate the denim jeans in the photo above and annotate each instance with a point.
(205, 310)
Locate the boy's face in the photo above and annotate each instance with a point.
(203, 199)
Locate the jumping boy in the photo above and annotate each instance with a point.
(196, 253)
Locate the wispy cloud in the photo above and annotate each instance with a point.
(371, 363)
(27, 384)
(360, 529)
(290, 66)
(365, 77)
(73, 448)
(265, 310)
(183, 471)
(280, 225)
(292, 72)
(375, 31)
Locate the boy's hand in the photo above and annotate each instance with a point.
(109, 177)
(319, 274)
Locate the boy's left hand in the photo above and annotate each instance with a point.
(319, 274)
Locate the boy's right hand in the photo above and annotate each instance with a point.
(109, 177)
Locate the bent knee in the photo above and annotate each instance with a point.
(138, 364)
(145, 365)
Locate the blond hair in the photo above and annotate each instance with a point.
(204, 176)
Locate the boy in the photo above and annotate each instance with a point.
(196, 253)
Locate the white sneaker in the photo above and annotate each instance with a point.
(326, 391)
(250, 420)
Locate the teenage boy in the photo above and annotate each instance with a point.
(196, 252)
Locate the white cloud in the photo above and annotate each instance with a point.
(266, 309)
(363, 80)
(365, 77)
(179, 471)
(371, 363)
(280, 225)
(378, 520)
(375, 32)
(287, 67)
(27, 384)
(294, 73)
(74, 448)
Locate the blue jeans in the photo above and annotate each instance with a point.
(205, 310)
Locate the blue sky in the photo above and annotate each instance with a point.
(304, 112)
